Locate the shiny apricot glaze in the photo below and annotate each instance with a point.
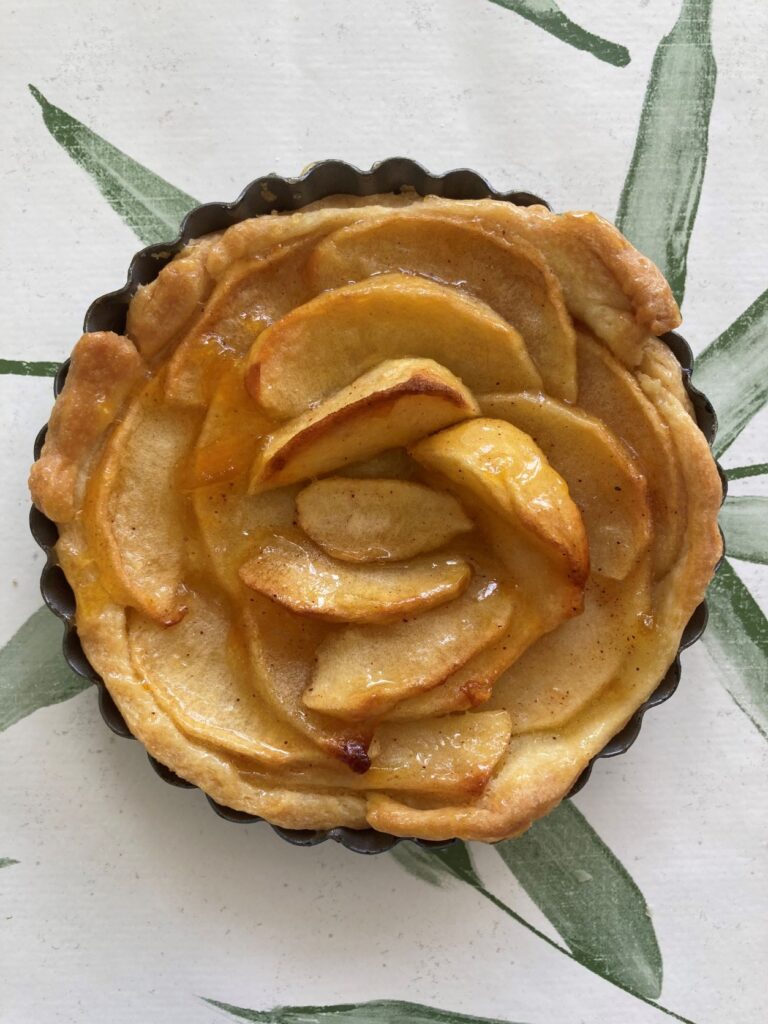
(385, 513)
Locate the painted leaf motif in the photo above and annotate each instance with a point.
(547, 15)
(436, 866)
(379, 1011)
(589, 897)
(737, 639)
(149, 205)
(661, 194)
(5, 862)
(24, 368)
(744, 521)
(741, 472)
(733, 373)
(33, 673)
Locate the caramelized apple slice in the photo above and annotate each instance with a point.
(388, 407)
(444, 757)
(378, 520)
(199, 674)
(569, 667)
(608, 391)
(603, 478)
(249, 297)
(606, 283)
(507, 274)
(291, 570)
(521, 503)
(363, 671)
(283, 649)
(473, 683)
(231, 432)
(386, 317)
(394, 463)
(227, 517)
(134, 510)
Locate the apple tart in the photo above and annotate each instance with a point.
(386, 513)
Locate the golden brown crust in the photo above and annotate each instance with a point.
(628, 380)
(104, 369)
(608, 285)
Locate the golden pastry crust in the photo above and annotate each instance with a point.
(151, 496)
(104, 370)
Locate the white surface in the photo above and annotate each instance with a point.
(131, 900)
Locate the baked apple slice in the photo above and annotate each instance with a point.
(507, 274)
(444, 757)
(282, 649)
(199, 672)
(388, 407)
(290, 569)
(134, 509)
(250, 296)
(521, 503)
(602, 476)
(473, 683)
(611, 393)
(569, 667)
(387, 317)
(362, 671)
(378, 520)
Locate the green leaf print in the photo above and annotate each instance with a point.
(737, 639)
(150, 205)
(435, 867)
(379, 1011)
(33, 673)
(5, 862)
(589, 897)
(23, 368)
(603, 918)
(741, 472)
(661, 194)
(733, 373)
(744, 521)
(547, 15)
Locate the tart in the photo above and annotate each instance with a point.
(388, 513)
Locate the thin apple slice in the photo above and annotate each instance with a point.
(522, 504)
(566, 669)
(507, 274)
(290, 569)
(602, 476)
(282, 651)
(394, 463)
(606, 283)
(134, 509)
(362, 671)
(386, 317)
(473, 683)
(250, 296)
(451, 756)
(378, 520)
(612, 394)
(199, 673)
(230, 436)
(227, 517)
(388, 407)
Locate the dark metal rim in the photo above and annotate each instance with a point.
(274, 193)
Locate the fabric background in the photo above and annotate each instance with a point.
(122, 899)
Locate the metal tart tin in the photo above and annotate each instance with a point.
(108, 313)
